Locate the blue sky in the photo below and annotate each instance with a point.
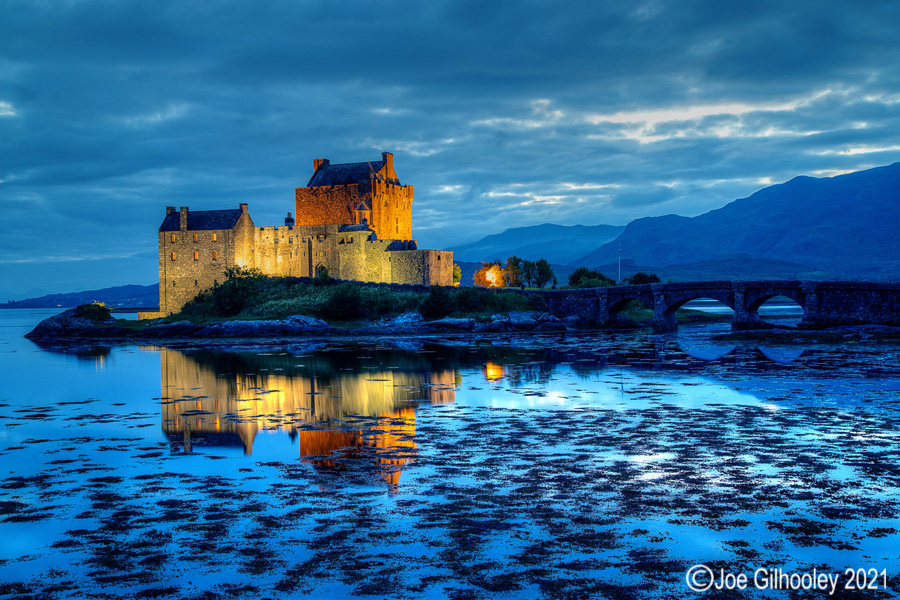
(501, 114)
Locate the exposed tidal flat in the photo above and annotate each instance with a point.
(556, 464)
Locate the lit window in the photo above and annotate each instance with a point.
(215, 255)
(173, 238)
(196, 256)
(173, 256)
(196, 237)
(215, 237)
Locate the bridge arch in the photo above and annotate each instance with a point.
(618, 300)
(758, 304)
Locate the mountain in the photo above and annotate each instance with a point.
(131, 296)
(847, 225)
(32, 293)
(560, 244)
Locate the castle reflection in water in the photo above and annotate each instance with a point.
(336, 406)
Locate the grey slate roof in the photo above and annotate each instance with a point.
(202, 220)
(344, 228)
(344, 174)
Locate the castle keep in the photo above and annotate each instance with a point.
(354, 221)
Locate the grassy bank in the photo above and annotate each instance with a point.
(254, 296)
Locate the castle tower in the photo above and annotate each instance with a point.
(345, 194)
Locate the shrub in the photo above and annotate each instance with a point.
(640, 277)
(470, 300)
(96, 311)
(437, 304)
(582, 277)
(345, 303)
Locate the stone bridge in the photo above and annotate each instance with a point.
(824, 303)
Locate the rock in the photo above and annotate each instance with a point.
(573, 321)
(410, 318)
(304, 321)
(67, 324)
(176, 329)
(523, 320)
(493, 326)
(450, 323)
(550, 326)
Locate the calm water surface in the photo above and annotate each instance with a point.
(558, 466)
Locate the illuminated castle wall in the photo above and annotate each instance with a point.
(354, 221)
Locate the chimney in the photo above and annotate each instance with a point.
(243, 207)
(184, 215)
(289, 221)
(388, 159)
(320, 162)
(169, 210)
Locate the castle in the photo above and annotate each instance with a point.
(354, 221)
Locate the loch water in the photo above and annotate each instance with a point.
(565, 465)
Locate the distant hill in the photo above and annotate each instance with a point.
(559, 244)
(846, 226)
(124, 296)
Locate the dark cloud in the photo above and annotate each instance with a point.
(583, 112)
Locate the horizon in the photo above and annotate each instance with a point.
(580, 115)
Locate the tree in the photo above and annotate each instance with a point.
(513, 271)
(457, 275)
(582, 277)
(641, 277)
(491, 274)
(543, 273)
(529, 273)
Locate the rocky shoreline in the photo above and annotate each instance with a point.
(68, 326)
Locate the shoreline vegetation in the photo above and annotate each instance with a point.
(250, 304)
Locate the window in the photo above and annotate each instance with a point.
(196, 256)
(173, 238)
(215, 255)
(215, 237)
(196, 283)
(215, 282)
(173, 256)
(173, 284)
(196, 237)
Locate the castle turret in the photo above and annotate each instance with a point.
(289, 221)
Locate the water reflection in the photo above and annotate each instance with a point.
(334, 408)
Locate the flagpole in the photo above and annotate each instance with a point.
(619, 280)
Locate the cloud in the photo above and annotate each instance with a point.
(579, 113)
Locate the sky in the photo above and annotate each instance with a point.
(501, 114)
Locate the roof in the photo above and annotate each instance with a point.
(344, 174)
(344, 228)
(202, 220)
